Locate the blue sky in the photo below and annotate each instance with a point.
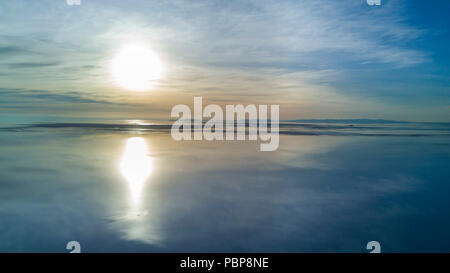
(317, 59)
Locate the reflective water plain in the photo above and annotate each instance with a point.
(125, 189)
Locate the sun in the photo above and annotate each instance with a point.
(136, 68)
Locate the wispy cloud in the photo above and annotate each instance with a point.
(47, 96)
(8, 50)
(310, 56)
(31, 65)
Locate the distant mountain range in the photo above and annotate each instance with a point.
(363, 121)
(357, 121)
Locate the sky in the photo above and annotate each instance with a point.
(316, 59)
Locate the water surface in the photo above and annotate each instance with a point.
(328, 188)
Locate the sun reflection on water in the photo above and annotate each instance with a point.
(136, 166)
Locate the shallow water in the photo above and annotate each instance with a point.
(324, 190)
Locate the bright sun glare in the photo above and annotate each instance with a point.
(136, 166)
(136, 68)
